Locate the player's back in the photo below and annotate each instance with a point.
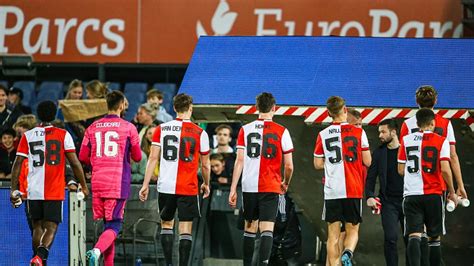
(45, 148)
(264, 143)
(443, 127)
(109, 142)
(422, 153)
(341, 144)
(181, 142)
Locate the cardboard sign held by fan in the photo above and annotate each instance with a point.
(79, 110)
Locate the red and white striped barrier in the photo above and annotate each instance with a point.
(370, 116)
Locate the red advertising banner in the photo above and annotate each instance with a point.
(164, 31)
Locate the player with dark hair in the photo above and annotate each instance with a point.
(384, 166)
(342, 150)
(46, 148)
(179, 146)
(423, 160)
(262, 146)
(108, 145)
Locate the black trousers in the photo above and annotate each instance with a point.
(392, 222)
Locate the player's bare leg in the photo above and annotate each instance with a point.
(334, 230)
(350, 242)
(45, 239)
(37, 233)
(266, 241)
(342, 238)
(167, 240)
(185, 241)
(250, 232)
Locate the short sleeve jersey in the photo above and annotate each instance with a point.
(422, 153)
(108, 145)
(264, 142)
(443, 127)
(341, 146)
(181, 143)
(46, 148)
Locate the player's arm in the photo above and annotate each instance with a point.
(401, 169)
(16, 169)
(456, 168)
(238, 167)
(372, 176)
(402, 158)
(77, 169)
(288, 168)
(85, 152)
(150, 168)
(366, 156)
(136, 151)
(318, 160)
(206, 174)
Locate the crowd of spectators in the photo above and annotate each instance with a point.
(16, 119)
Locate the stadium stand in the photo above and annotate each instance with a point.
(169, 91)
(28, 88)
(113, 86)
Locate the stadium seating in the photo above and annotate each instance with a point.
(113, 86)
(135, 99)
(49, 90)
(4, 83)
(169, 91)
(136, 87)
(29, 94)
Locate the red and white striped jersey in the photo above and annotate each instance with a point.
(422, 153)
(181, 142)
(341, 145)
(264, 143)
(443, 127)
(45, 148)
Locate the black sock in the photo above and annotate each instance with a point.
(185, 242)
(435, 252)
(266, 243)
(413, 250)
(249, 246)
(43, 253)
(167, 239)
(425, 250)
(348, 252)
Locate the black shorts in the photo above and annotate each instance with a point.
(262, 206)
(46, 210)
(424, 210)
(188, 207)
(343, 210)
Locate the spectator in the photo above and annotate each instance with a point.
(15, 96)
(7, 116)
(224, 133)
(354, 117)
(138, 169)
(146, 116)
(77, 128)
(155, 96)
(219, 172)
(7, 152)
(75, 90)
(23, 124)
(146, 147)
(95, 90)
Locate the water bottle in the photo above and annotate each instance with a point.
(17, 194)
(464, 202)
(450, 206)
(138, 261)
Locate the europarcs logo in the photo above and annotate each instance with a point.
(221, 22)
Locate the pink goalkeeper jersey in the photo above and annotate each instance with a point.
(107, 146)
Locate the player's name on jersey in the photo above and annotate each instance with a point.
(178, 128)
(107, 124)
(340, 130)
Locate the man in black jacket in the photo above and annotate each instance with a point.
(384, 165)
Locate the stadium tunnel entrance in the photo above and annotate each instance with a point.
(377, 76)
